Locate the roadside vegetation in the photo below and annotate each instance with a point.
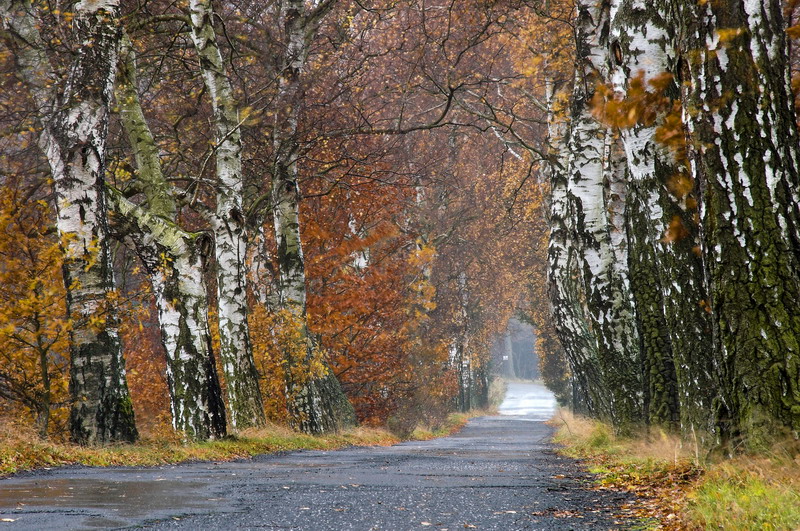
(21, 449)
(680, 486)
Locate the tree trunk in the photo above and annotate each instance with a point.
(743, 123)
(564, 276)
(245, 405)
(606, 282)
(316, 401)
(74, 140)
(666, 273)
(174, 260)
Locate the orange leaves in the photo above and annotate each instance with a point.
(642, 104)
(269, 362)
(671, 133)
(676, 231)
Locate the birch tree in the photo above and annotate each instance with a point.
(174, 260)
(244, 396)
(741, 117)
(590, 166)
(73, 138)
(666, 273)
(317, 403)
(564, 277)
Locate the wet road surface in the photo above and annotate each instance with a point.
(497, 473)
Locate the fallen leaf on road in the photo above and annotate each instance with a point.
(426, 523)
(7, 520)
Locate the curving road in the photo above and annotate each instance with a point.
(497, 473)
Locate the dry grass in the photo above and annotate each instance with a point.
(676, 489)
(21, 449)
(658, 467)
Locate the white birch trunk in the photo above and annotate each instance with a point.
(316, 404)
(245, 406)
(73, 139)
(667, 276)
(608, 296)
(174, 260)
(565, 280)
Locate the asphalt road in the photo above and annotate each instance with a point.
(497, 473)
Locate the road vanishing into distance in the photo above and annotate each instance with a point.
(497, 473)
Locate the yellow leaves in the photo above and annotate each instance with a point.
(91, 254)
(680, 185)
(423, 255)
(283, 351)
(248, 116)
(32, 303)
(728, 34)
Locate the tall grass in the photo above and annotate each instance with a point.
(683, 490)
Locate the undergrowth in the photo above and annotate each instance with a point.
(677, 489)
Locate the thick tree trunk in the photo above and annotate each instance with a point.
(316, 402)
(244, 395)
(605, 280)
(74, 141)
(666, 274)
(564, 276)
(174, 259)
(743, 123)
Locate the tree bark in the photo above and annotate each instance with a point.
(245, 404)
(74, 140)
(174, 261)
(605, 280)
(317, 403)
(741, 116)
(666, 273)
(564, 276)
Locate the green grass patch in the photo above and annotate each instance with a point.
(676, 491)
(738, 496)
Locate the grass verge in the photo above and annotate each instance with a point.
(675, 490)
(21, 450)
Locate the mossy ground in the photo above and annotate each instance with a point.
(679, 489)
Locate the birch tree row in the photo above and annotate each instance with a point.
(197, 151)
(674, 250)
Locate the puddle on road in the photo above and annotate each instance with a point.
(127, 499)
(534, 401)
